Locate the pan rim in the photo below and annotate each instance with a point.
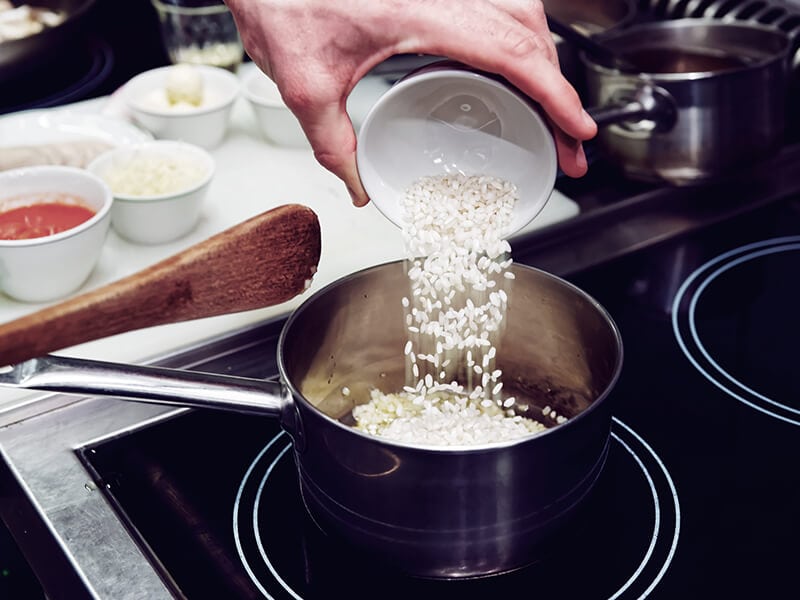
(778, 56)
(454, 449)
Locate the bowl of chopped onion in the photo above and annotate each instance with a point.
(159, 188)
(190, 103)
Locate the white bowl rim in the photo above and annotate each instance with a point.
(251, 79)
(229, 97)
(448, 68)
(99, 215)
(212, 9)
(204, 155)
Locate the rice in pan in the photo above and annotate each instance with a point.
(459, 274)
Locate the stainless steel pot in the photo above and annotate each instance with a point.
(710, 97)
(431, 511)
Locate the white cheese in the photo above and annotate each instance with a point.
(144, 176)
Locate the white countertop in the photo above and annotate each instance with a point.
(252, 176)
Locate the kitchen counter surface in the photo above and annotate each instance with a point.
(252, 176)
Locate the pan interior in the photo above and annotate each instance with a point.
(696, 46)
(557, 349)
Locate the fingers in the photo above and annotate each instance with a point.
(536, 76)
(506, 37)
(331, 134)
(571, 156)
(531, 15)
(511, 38)
(540, 80)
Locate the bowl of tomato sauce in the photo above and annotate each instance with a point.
(54, 221)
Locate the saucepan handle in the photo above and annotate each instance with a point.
(634, 104)
(150, 384)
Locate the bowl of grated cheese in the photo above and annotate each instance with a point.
(158, 187)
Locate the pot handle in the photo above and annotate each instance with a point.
(633, 105)
(156, 385)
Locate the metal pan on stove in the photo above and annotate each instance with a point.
(708, 97)
(431, 511)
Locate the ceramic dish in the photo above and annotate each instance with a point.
(159, 188)
(203, 123)
(47, 267)
(446, 119)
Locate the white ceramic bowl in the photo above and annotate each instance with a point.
(158, 187)
(275, 121)
(204, 125)
(447, 119)
(50, 267)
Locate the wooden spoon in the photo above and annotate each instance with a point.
(261, 262)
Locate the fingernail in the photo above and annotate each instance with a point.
(580, 159)
(355, 198)
(587, 118)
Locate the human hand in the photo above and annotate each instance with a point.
(317, 50)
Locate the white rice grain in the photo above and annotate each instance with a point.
(458, 259)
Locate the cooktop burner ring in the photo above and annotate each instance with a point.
(685, 325)
(236, 534)
(645, 575)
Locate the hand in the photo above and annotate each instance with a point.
(317, 50)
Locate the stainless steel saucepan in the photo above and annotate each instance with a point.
(708, 97)
(430, 511)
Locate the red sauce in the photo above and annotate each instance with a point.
(52, 213)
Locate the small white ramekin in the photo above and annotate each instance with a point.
(204, 125)
(160, 218)
(50, 267)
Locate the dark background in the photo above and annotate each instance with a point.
(130, 27)
(105, 46)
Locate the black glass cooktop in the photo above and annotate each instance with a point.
(64, 78)
(698, 499)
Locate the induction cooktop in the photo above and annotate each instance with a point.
(698, 497)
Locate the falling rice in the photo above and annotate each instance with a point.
(457, 267)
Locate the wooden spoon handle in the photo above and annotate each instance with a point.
(261, 262)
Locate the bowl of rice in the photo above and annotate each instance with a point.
(159, 188)
(447, 120)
